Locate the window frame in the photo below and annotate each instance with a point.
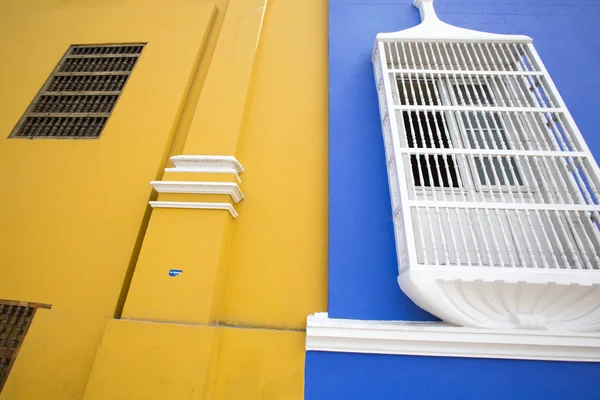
(467, 173)
(459, 130)
(450, 139)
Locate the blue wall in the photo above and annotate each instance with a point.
(362, 259)
(348, 376)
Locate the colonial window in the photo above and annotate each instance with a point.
(15, 320)
(494, 191)
(80, 94)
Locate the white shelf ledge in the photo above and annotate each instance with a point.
(195, 205)
(209, 164)
(228, 188)
(443, 340)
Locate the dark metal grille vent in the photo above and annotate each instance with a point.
(106, 49)
(78, 98)
(85, 83)
(75, 104)
(98, 64)
(15, 319)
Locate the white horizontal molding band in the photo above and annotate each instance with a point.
(195, 205)
(502, 206)
(390, 37)
(491, 152)
(209, 164)
(541, 276)
(463, 72)
(479, 108)
(231, 189)
(442, 340)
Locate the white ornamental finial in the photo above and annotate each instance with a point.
(426, 9)
(432, 28)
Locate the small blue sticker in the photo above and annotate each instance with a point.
(175, 272)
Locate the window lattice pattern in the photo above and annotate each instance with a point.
(81, 93)
(496, 172)
(15, 319)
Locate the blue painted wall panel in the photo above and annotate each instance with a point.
(362, 259)
(362, 265)
(369, 376)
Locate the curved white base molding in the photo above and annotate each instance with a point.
(501, 298)
(196, 205)
(443, 340)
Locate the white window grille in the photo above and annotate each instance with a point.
(494, 191)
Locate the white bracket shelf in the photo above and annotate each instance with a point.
(201, 164)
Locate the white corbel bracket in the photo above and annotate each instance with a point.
(231, 189)
(201, 164)
(208, 164)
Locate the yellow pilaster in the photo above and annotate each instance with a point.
(230, 325)
(170, 360)
(218, 120)
(195, 241)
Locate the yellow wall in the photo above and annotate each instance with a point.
(196, 362)
(175, 360)
(73, 211)
(217, 120)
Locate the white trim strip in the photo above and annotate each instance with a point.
(441, 340)
(195, 205)
(479, 108)
(492, 152)
(463, 72)
(201, 169)
(231, 189)
(565, 275)
(503, 206)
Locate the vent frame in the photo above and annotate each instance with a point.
(15, 320)
(93, 91)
